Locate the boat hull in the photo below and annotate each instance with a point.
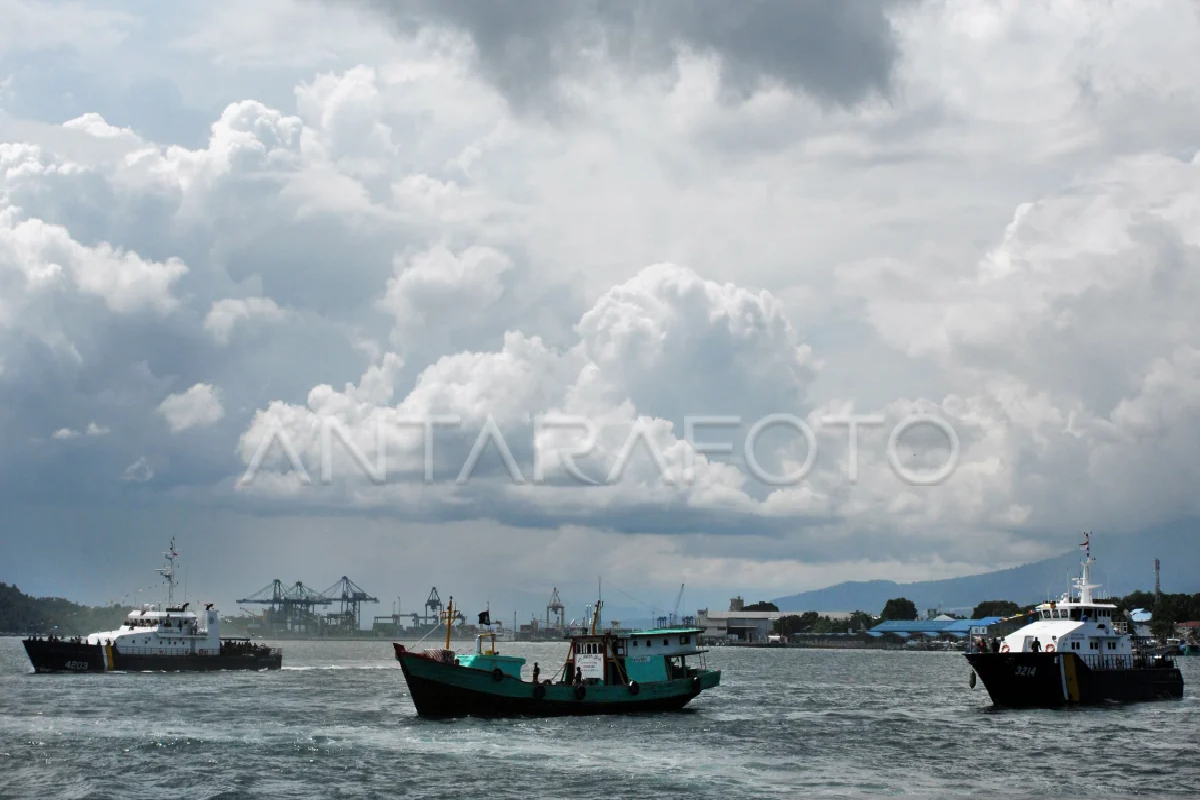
(441, 689)
(1053, 680)
(61, 656)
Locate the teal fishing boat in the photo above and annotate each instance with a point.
(605, 672)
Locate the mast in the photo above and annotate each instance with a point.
(449, 620)
(1085, 582)
(168, 572)
(596, 612)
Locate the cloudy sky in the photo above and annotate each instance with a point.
(246, 247)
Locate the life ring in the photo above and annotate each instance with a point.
(1048, 648)
(539, 691)
(497, 674)
(580, 692)
(1004, 648)
(634, 688)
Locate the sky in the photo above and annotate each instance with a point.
(347, 287)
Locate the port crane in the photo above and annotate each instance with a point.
(678, 600)
(673, 617)
(351, 596)
(556, 608)
(293, 607)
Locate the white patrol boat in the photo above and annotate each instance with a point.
(1074, 651)
(161, 638)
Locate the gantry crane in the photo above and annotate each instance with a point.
(351, 596)
(556, 607)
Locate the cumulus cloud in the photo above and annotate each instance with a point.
(225, 315)
(139, 471)
(46, 256)
(198, 407)
(92, 429)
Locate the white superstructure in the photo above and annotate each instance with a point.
(1076, 623)
(165, 630)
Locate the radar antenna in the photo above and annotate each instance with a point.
(168, 572)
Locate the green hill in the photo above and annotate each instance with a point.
(20, 613)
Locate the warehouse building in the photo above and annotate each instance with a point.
(945, 628)
(739, 625)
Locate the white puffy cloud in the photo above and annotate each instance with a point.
(92, 429)
(225, 315)
(46, 256)
(430, 290)
(197, 407)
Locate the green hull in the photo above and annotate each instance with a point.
(441, 689)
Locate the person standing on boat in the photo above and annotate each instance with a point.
(1036, 646)
(579, 676)
(536, 672)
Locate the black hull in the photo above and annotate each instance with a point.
(437, 700)
(1053, 680)
(60, 656)
(444, 689)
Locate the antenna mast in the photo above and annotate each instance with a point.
(1157, 585)
(168, 572)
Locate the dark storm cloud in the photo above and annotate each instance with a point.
(837, 52)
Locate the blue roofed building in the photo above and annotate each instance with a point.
(945, 628)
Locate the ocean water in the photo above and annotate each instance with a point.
(337, 722)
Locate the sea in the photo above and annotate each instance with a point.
(337, 722)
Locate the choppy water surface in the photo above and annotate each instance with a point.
(337, 722)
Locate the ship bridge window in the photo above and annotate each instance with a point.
(685, 639)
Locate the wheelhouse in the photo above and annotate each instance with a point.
(612, 659)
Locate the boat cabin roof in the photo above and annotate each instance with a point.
(667, 631)
(148, 613)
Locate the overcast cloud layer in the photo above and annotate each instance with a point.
(229, 224)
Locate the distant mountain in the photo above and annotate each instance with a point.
(1124, 564)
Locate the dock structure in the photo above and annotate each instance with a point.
(295, 609)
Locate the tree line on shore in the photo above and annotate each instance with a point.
(22, 613)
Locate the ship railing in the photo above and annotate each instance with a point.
(1102, 661)
(200, 651)
(164, 651)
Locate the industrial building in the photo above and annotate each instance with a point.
(945, 627)
(739, 625)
